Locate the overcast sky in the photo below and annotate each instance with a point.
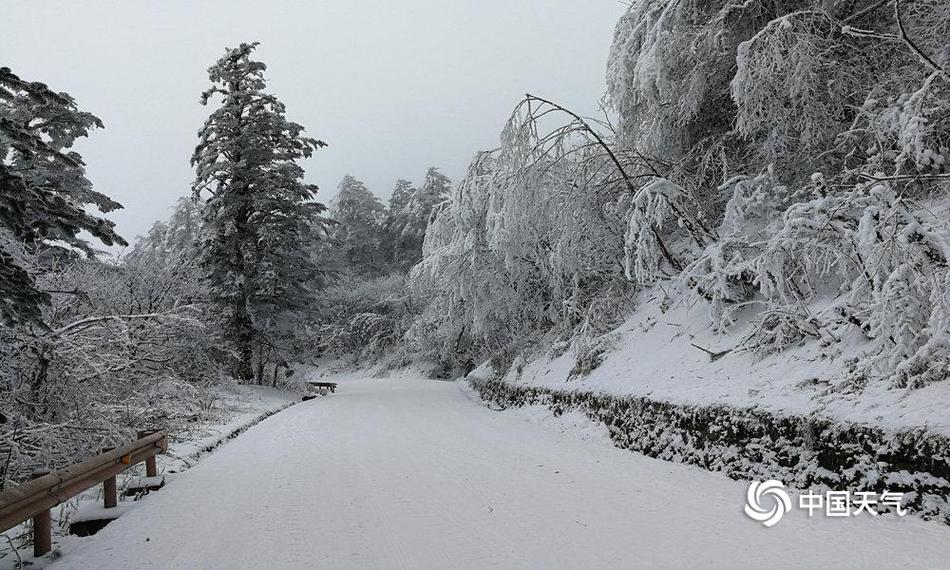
(393, 86)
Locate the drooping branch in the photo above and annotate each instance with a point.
(600, 141)
(628, 181)
(910, 43)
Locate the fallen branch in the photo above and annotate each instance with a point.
(713, 356)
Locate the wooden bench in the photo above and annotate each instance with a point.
(328, 386)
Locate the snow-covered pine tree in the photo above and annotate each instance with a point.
(394, 244)
(408, 216)
(402, 192)
(360, 216)
(43, 189)
(260, 217)
(434, 190)
(177, 238)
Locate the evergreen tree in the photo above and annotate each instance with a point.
(434, 190)
(176, 238)
(259, 218)
(402, 193)
(408, 216)
(360, 216)
(393, 243)
(43, 189)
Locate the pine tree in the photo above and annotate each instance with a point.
(434, 190)
(360, 216)
(402, 192)
(176, 238)
(393, 243)
(409, 212)
(259, 218)
(43, 189)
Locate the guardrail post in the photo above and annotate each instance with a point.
(110, 497)
(42, 526)
(151, 467)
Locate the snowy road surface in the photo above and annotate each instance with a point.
(416, 474)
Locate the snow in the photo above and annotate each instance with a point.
(655, 358)
(143, 482)
(244, 405)
(89, 511)
(238, 408)
(411, 473)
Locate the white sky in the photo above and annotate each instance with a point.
(393, 86)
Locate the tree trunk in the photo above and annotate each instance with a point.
(243, 338)
(260, 363)
(39, 393)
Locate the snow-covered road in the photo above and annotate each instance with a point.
(417, 474)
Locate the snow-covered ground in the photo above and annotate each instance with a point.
(412, 473)
(243, 406)
(654, 355)
(237, 408)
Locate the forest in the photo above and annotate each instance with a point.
(786, 164)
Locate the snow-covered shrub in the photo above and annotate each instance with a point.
(657, 205)
(903, 290)
(643, 251)
(791, 91)
(912, 129)
(777, 329)
(814, 245)
(361, 318)
(725, 273)
(870, 247)
(930, 360)
(126, 348)
(127, 345)
(670, 65)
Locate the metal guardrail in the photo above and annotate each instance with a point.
(35, 498)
